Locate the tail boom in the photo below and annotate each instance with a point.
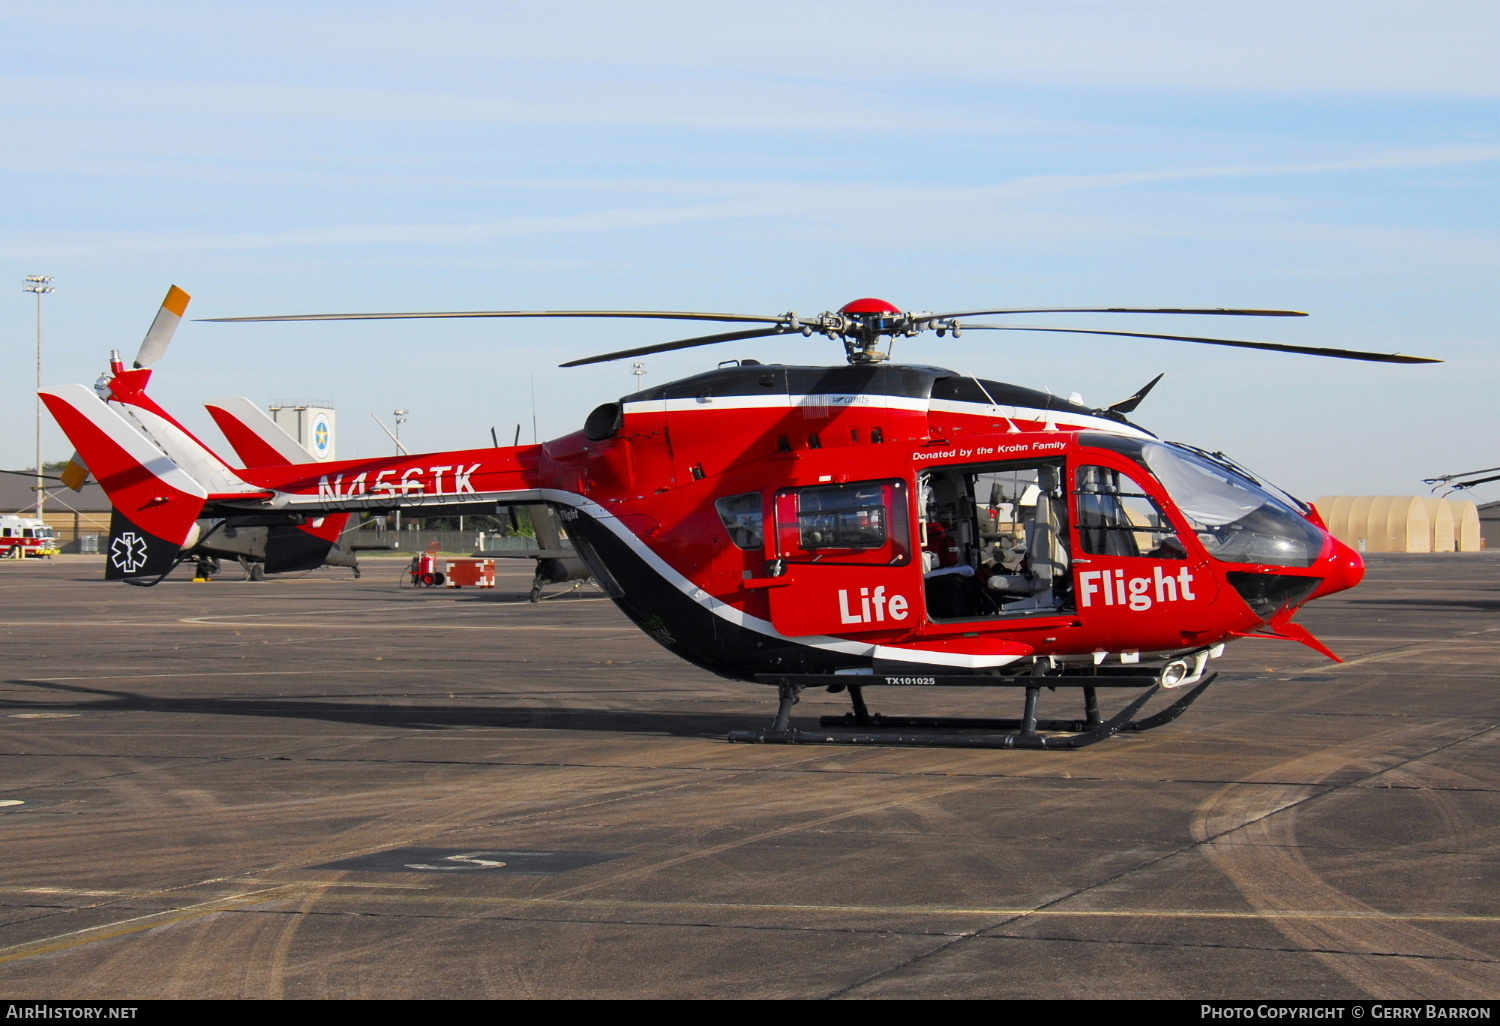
(449, 480)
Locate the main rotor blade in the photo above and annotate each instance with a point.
(1214, 311)
(686, 343)
(662, 315)
(1342, 354)
(159, 335)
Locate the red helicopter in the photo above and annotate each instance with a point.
(842, 527)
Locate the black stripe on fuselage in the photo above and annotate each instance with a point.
(690, 631)
(889, 379)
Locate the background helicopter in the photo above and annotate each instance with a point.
(556, 563)
(843, 527)
(1464, 481)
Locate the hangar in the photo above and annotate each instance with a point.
(1402, 523)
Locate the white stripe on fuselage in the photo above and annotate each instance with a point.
(1063, 419)
(831, 400)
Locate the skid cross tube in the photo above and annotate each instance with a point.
(861, 727)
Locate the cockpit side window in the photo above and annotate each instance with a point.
(1117, 518)
(744, 518)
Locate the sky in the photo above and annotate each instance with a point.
(1340, 158)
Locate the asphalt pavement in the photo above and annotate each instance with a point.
(321, 787)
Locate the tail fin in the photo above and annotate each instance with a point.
(156, 503)
(259, 440)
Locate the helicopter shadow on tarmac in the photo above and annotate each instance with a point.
(386, 712)
(1478, 605)
(524, 598)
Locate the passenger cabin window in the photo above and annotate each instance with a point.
(995, 540)
(744, 518)
(1117, 518)
(863, 524)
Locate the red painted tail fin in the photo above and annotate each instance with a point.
(258, 439)
(261, 442)
(155, 501)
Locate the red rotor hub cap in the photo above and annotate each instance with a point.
(868, 306)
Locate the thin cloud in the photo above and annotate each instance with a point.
(85, 243)
(820, 203)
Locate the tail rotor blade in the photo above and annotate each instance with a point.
(76, 474)
(154, 346)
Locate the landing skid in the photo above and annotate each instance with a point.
(538, 595)
(861, 727)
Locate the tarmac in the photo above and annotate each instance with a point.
(321, 787)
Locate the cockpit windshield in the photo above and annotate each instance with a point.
(1236, 519)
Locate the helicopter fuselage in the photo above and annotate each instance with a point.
(764, 519)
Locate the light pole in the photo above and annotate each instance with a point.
(400, 416)
(41, 284)
(639, 370)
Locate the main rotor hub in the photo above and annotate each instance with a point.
(863, 322)
(869, 306)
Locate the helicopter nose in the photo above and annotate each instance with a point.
(1341, 569)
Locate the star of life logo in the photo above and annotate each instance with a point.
(128, 552)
